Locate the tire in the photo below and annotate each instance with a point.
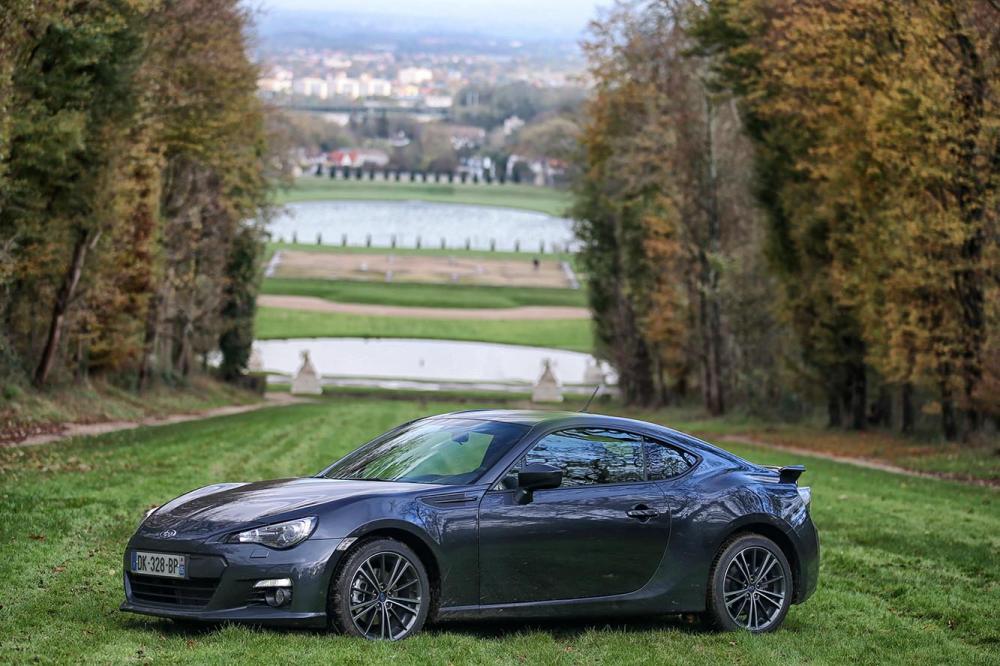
(380, 592)
(750, 587)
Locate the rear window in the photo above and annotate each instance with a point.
(664, 461)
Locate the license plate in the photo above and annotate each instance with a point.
(159, 564)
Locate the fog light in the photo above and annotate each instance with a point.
(277, 591)
(278, 596)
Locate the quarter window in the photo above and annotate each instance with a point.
(591, 456)
(664, 461)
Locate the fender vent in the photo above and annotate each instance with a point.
(450, 500)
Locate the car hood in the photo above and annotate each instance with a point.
(225, 507)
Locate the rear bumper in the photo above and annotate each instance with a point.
(225, 575)
(808, 555)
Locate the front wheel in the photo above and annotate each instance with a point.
(750, 586)
(381, 592)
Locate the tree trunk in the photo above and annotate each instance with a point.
(949, 424)
(971, 189)
(833, 414)
(881, 413)
(710, 314)
(906, 408)
(859, 397)
(149, 340)
(63, 298)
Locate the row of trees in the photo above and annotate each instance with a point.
(799, 197)
(132, 187)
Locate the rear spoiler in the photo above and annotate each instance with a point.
(790, 473)
(787, 474)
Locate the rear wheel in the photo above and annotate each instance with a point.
(750, 586)
(381, 592)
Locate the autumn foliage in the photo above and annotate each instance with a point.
(871, 134)
(132, 185)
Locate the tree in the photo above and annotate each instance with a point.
(73, 90)
(133, 164)
(663, 204)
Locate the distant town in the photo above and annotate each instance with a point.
(501, 115)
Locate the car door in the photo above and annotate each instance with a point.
(602, 532)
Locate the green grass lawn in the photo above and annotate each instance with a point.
(542, 199)
(572, 334)
(424, 295)
(910, 567)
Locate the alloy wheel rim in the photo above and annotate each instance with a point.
(385, 596)
(754, 589)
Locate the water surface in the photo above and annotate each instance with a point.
(405, 362)
(431, 222)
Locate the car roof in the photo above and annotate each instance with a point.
(528, 417)
(536, 417)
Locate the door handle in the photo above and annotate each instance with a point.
(642, 512)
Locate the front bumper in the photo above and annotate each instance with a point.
(221, 579)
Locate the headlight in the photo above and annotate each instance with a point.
(279, 535)
(806, 494)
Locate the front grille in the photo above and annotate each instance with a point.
(256, 598)
(194, 592)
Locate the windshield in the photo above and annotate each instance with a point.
(436, 450)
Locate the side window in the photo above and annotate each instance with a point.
(665, 461)
(589, 456)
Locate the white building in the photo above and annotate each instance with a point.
(277, 80)
(415, 75)
(274, 86)
(375, 87)
(311, 87)
(346, 87)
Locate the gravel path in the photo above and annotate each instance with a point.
(867, 463)
(314, 304)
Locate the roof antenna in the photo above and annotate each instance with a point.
(590, 399)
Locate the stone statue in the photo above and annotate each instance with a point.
(306, 381)
(256, 362)
(593, 375)
(547, 388)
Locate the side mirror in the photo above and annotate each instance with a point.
(536, 476)
(539, 476)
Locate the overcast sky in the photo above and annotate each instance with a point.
(560, 16)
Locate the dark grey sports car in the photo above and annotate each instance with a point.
(488, 514)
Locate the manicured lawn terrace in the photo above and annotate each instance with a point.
(423, 294)
(909, 571)
(542, 199)
(572, 334)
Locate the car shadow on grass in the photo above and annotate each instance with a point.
(567, 628)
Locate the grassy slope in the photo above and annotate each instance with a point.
(424, 295)
(572, 334)
(98, 401)
(541, 199)
(909, 573)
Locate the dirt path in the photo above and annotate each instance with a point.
(69, 430)
(314, 304)
(859, 462)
